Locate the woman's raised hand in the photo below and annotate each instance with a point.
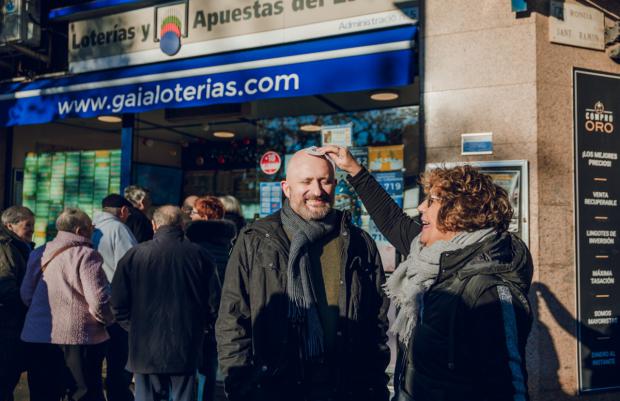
(342, 158)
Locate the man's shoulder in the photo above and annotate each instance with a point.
(271, 224)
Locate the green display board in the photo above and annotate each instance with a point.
(53, 181)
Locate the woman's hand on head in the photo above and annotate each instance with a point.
(342, 158)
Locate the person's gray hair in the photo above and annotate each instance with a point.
(71, 219)
(231, 204)
(136, 194)
(15, 214)
(168, 215)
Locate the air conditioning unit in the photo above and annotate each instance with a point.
(19, 23)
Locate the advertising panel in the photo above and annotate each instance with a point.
(53, 181)
(597, 223)
(270, 198)
(191, 28)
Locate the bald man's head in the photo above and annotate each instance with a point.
(167, 215)
(309, 185)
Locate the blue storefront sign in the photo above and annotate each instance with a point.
(270, 198)
(392, 182)
(342, 64)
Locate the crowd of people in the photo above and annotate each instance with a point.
(67, 306)
(291, 307)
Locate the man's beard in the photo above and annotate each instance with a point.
(315, 213)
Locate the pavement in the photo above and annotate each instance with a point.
(21, 391)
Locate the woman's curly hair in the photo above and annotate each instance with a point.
(209, 207)
(469, 199)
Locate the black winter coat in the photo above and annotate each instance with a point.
(469, 343)
(13, 257)
(164, 292)
(139, 225)
(258, 352)
(216, 236)
(236, 218)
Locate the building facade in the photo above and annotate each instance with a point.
(500, 67)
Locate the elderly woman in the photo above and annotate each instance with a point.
(67, 293)
(463, 314)
(16, 229)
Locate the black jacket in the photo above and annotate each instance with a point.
(469, 344)
(13, 257)
(236, 218)
(258, 352)
(164, 291)
(216, 236)
(139, 225)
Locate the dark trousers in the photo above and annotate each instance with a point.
(12, 363)
(163, 387)
(68, 372)
(207, 373)
(118, 379)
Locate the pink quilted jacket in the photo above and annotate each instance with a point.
(69, 302)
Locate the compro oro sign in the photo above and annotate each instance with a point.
(192, 28)
(597, 225)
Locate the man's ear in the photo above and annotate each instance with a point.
(154, 225)
(285, 188)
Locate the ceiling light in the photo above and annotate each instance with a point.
(384, 96)
(310, 128)
(110, 119)
(224, 134)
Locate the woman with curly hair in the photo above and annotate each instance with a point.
(461, 293)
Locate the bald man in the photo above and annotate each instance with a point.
(167, 292)
(303, 313)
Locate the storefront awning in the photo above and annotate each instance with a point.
(358, 62)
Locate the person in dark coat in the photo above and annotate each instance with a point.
(15, 245)
(138, 221)
(303, 313)
(232, 211)
(209, 230)
(464, 315)
(164, 292)
(216, 236)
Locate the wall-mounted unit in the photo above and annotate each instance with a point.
(19, 23)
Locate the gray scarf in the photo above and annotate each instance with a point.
(417, 273)
(303, 308)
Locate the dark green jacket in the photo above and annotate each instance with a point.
(258, 350)
(13, 257)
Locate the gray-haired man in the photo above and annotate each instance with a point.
(167, 291)
(138, 222)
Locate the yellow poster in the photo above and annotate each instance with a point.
(385, 158)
